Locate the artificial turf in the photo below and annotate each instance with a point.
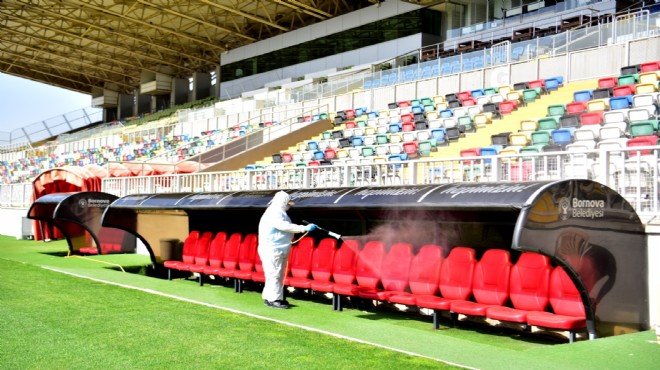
(56, 315)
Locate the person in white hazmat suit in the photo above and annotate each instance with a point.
(275, 236)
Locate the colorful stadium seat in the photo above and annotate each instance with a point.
(343, 270)
(187, 255)
(246, 260)
(455, 282)
(490, 286)
(394, 274)
(528, 289)
(568, 310)
(424, 276)
(300, 264)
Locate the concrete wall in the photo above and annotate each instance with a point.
(12, 219)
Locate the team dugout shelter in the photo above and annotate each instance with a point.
(585, 227)
(77, 215)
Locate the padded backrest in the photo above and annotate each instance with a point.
(396, 267)
(343, 266)
(202, 249)
(591, 118)
(648, 140)
(562, 136)
(548, 123)
(247, 252)
(619, 102)
(216, 249)
(556, 109)
(424, 272)
(232, 248)
(507, 106)
(576, 107)
(300, 261)
(369, 264)
(607, 82)
(491, 277)
(582, 95)
(564, 296)
(457, 273)
(322, 259)
(190, 247)
(529, 284)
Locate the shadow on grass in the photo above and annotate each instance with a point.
(56, 253)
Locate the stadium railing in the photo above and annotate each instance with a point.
(635, 177)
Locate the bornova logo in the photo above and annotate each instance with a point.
(581, 208)
(82, 203)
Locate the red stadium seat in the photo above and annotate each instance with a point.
(300, 264)
(407, 126)
(647, 140)
(455, 282)
(528, 289)
(201, 258)
(490, 285)
(568, 309)
(368, 268)
(607, 82)
(536, 84)
(407, 118)
(394, 273)
(246, 258)
(576, 107)
(649, 66)
(341, 266)
(322, 259)
(343, 269)
(216, 250)
(464, 95)
(507, 106)
(229, 258)
(624, 90)
(187, 255)
(203, 255)
(591, 118)
(424, 276)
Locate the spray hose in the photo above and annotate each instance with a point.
(299, 239)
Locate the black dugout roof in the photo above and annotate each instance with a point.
(78, 216)
(491, 196)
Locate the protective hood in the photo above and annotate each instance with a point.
(281, 200)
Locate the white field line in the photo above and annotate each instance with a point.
(155, 292)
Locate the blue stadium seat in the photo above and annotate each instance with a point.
(553, 83)
(619, 102)
(440, 135)
(582, 95)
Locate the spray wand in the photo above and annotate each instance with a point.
(331, 233)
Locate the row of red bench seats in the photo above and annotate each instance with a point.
(529, 292)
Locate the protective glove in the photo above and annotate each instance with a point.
(310, 227)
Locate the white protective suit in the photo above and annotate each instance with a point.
(275, 235)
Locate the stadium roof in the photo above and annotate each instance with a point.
(85, 44)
